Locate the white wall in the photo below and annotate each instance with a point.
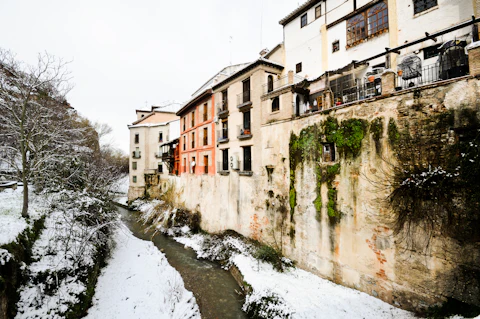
(304, 44)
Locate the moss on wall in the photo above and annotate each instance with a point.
(393, 133)
(376, 129)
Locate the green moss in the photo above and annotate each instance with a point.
(318, 207)
(332, 203)
(347, 136)
(293, 199)
(393, 133)
(291, 233)
(376, 129)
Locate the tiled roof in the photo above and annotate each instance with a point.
(304, 7)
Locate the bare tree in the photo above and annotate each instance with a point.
(34, 115)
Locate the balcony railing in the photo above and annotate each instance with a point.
(223, 167)
(222, 135)
(158, 155)
(137, 154)
(243, 132)
(280, 83)
(243, 98)
(363, 89)
(222, 110)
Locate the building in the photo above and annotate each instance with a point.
(148, 133)
(239, 117)
(197, 140)
(321, 36)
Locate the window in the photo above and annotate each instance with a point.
(431, 52)
(193, 164)
(193, 118)
(368, 23)
(270, 83)
(224, 129)
(246, 91)
(336, 46)
(205, 163)
(276, 104)
(318, 11)
(328, 154)
(137, 138)
(422, 5)
(205, 112)
(134, 165)
(184, 165)
(193, 139)
(224, 100)
(356, 29)
(184, 143)
(247, 158)
(205, 136)
(160, 167)
(377, 18)
(303, 21)
(160, 137)
(184, 123)
(246, 123)
(298, 67)
(225, 160)
(134, 179)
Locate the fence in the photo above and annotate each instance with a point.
(363, 89)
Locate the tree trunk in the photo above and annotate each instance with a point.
(25, 198)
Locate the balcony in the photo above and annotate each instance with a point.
(137, 154)
(223, 168)
(222, 135)
(243, 101)
(222, 109)
(281, 83)
(244, 133)
(167, 155)
(158, 155)
(247, 168)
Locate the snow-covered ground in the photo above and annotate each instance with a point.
(138, 282)
(298, 293)
(11, 221)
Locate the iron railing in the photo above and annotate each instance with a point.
(280, 83)
(222, 135)
(244, 132)
(243, 97)
(222, 106)
(363, 89)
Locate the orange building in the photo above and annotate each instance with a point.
(197, 135)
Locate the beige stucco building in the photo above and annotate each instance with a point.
(147, 134)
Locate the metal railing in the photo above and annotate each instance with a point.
(243, 97)
(280, 83)
(222, 135)
(363, 89)
(243, 132)
(137, 154)
(222, 105)
(158, 154)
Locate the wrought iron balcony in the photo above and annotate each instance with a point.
(244, 102)
(281, 83)
(222, 109)
(222, 135)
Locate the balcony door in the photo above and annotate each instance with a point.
(246, 91)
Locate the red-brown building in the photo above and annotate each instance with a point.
(197, 135)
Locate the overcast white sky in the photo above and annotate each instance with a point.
(128, 53)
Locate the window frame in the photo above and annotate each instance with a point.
(276, 104)
(137, 138)
(205, 136)
(134, 178)
(332, 154)
(193, 140)
(376, 13)
(298, 67)
(303, 20)
(247, 158)
(134, 166)
(335, 46)
(160, 168)
(205, 112)
(225, 159)
(420, 6)
(318, 11)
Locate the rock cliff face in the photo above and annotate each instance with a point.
(381, 196)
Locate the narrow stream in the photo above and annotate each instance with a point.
(213, 287)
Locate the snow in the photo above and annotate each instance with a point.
(121, 186)
(11, 221)
(297, 293)
(138, 282)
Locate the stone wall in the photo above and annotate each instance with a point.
(339, 225)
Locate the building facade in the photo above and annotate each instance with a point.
(147, 134)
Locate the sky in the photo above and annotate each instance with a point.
(127, 55)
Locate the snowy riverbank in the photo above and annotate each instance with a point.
(138, 282)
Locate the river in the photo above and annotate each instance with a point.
(214, 288)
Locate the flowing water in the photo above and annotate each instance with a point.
(214, 288)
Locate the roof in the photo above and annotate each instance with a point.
(249, 67)
(304, 7)
(269, 53)
(225, 71)
(150, 124)
(194, 100)
(151, 114)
